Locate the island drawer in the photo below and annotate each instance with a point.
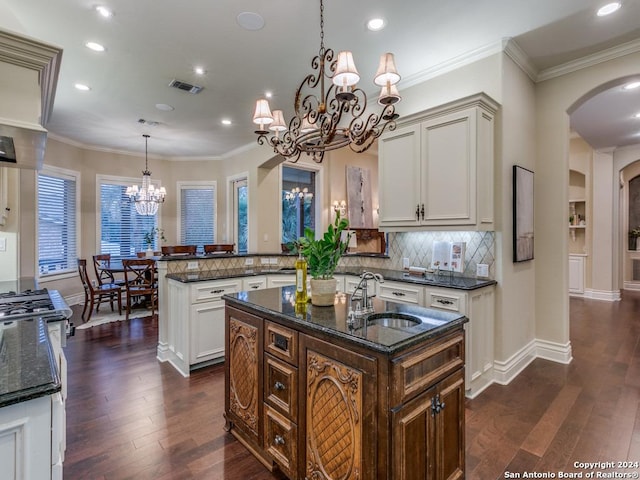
(280, 441)
(397, 292)
(280, 386)
(214, 290)
(281, 342)
(417, 370)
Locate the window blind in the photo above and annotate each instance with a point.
(57, 232)
(122, 230)
(197, 215)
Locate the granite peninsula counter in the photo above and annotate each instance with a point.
(304, 387)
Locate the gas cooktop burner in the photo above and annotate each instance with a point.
(25, 303)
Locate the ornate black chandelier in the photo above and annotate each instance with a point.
(335, 116)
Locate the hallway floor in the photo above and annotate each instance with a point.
(129, 416)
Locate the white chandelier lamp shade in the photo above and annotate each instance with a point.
(146, 198)
(330, 110)
(387, 73)
(278, 124)
(262, 116)
(346, 74)
(389, 95)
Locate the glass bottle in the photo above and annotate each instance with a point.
(301, 279)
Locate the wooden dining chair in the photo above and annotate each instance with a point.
(140, 282)
(101, 264)
(219, 248)
(143, 254)
(100, 293)
(179, 249)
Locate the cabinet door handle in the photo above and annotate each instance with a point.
(418, 212)
(279, 440)
(219, 290)
(436, 405)
(422, 211)
(442, 301)
(279, 386)
(398, 294)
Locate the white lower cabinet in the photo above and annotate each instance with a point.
(280, 280)
(254, 283)
(196, 326)
(478, 306)
(576, 274)
(30, 439)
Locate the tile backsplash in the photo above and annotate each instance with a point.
(418, 248)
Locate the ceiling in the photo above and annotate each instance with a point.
(151, 42)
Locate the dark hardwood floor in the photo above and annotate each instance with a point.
(129, 416)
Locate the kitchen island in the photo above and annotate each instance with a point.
(319, 395)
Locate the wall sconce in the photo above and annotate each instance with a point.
(340, 207)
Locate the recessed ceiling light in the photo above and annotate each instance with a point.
(376, 24)
(226, 121)
(104, 11)
(82, 86)
(268, 94)
(250, 21)
(199, 70)
(94, 46)
(608, 9)
(164, 107)
(637, 115)
(632, 85)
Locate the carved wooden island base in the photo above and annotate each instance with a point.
(318, 399)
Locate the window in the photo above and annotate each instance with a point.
(298, 202)
(197, 213)
(57, 192)
(121, 228)
(240, 215)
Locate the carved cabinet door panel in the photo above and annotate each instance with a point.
(339, 412)
(244, 386)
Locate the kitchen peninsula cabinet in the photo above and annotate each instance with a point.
(443, 160)
(315, 398)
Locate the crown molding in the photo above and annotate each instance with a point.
(520, 58)
(590, 60)
(29, 53)
(452, 64)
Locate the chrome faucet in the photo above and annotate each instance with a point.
(366, 306)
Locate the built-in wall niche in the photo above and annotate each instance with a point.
(577, 220)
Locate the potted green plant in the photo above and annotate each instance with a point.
(150, 236)
(322, 256)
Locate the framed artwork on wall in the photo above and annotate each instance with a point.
(522, 214)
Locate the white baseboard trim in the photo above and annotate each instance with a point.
(606, 295)
(504, 372)
(632, 286)
(556, 352)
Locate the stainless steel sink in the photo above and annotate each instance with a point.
(393, 320)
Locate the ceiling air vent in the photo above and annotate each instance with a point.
(150, 123)
(187, 87)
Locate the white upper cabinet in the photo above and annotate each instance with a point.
(436, 169)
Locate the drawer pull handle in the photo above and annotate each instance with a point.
(255, 286)
(278, 440)
(398, 294)
(279, 386)
(219, 290)
(442, 301)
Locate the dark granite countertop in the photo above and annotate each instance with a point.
(445, 281)
(172, 258)
(27, 364)
(279, 303)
